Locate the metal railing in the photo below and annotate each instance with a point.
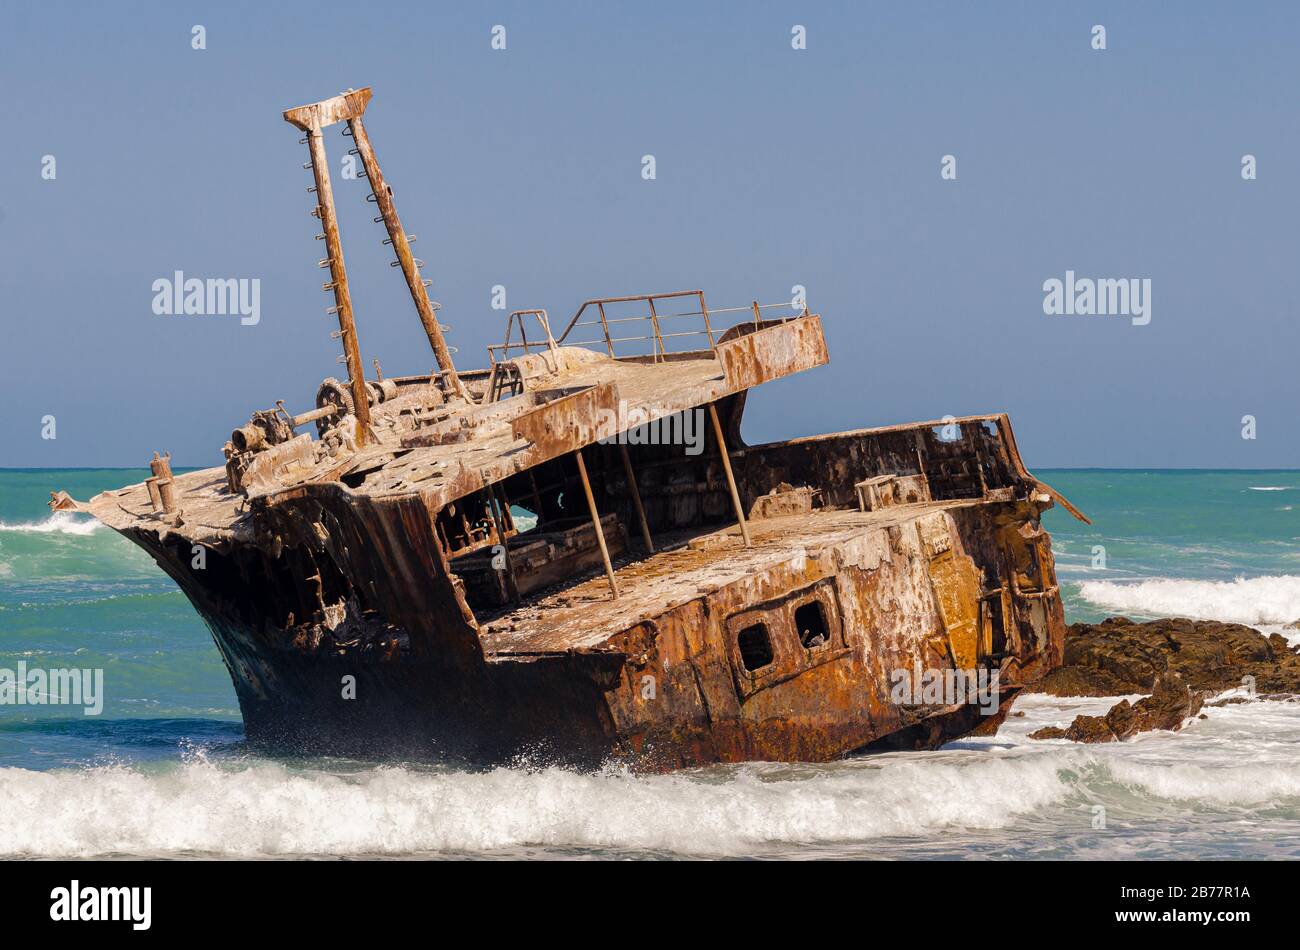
(616, 328)
(517, 319)
(657, 335)
(620, 328)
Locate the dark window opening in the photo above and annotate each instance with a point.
(755, 647)
(810, 621)
(997, 631)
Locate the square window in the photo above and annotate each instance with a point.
(755, 647)
(810, 624)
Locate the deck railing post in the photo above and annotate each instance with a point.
(609, 344)
(654, 322)
(708, 328)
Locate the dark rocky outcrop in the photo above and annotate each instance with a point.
(1119, 656)
(1171, 703)
(1179, 662)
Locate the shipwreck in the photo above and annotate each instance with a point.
(513, 561)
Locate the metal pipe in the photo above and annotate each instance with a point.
(312, 415)
(595, 521)
(636, 497)
(731, 479)
(249, 438)
(339, 281)
(410, 270)
(167, 494)
(155, 496)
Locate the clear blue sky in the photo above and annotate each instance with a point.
(775, 167)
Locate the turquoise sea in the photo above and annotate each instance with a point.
(162, 770)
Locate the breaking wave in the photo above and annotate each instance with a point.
(1257, 600)
(61, 522)
(265, 809)
(1251, 785)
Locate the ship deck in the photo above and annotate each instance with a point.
(687, 565)
(404, 461)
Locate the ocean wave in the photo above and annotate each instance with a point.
(1270, 487)
(265, 809)
(60, 522)
(1239, 785)
(1255, 600)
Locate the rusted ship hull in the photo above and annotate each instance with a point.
(963, 579)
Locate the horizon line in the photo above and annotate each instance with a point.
(1040, 468)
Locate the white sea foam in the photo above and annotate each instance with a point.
(1247, 785)
(1270, 487)
(60, 522)
(1256, 600)
(266, 809)
(966, 798)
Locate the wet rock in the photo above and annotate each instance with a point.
(1171, 703)
(1120, 656)
(1279, 644)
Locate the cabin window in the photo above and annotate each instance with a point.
(810, 623)
(755, 647)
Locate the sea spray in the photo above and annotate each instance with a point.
(1272, 599)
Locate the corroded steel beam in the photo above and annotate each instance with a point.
(636, 498)
(311, 119)
(339, 284)
(595, 523)
(318, 115)
(731, 479)
(410, 269)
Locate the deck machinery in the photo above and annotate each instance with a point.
(572, 556)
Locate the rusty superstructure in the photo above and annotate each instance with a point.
(572, 555)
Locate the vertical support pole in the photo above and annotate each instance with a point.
(654, 322)
(536, 496)
(499, 525)
(708, 328)
(604, 325)
(339, 279)
(636, 497)
(384, 199)
(595, 522)
(731, 479)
